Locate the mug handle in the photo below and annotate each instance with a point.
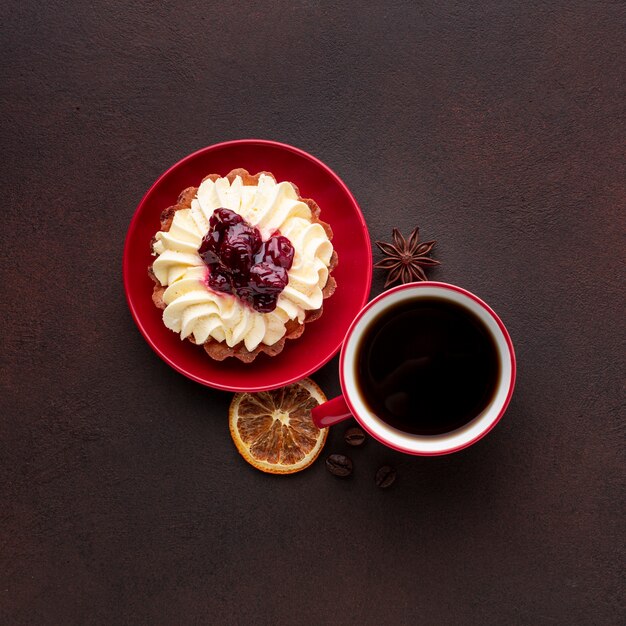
(331, 412)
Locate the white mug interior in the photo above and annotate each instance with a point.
(429, 444)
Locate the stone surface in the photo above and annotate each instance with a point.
(498, 127)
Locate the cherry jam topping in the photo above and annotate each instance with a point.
(241, 263)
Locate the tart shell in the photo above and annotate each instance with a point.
(219, 350)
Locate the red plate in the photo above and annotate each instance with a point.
(322, 338)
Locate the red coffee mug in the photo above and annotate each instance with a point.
(351, 404)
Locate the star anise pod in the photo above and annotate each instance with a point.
(404, 259)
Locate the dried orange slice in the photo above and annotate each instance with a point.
(273, 430)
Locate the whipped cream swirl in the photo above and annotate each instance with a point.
(193, 309)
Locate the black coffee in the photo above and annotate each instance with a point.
(427, 366)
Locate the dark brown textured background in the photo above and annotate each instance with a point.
(498, 127)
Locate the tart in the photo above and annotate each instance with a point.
(243, 263)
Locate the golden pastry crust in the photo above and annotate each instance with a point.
(220, 350)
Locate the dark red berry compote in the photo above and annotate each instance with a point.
(242, 264)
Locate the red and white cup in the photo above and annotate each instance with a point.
(351, 404)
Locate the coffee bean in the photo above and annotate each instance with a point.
(339, 465)
(354, 436)
(385, 476)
